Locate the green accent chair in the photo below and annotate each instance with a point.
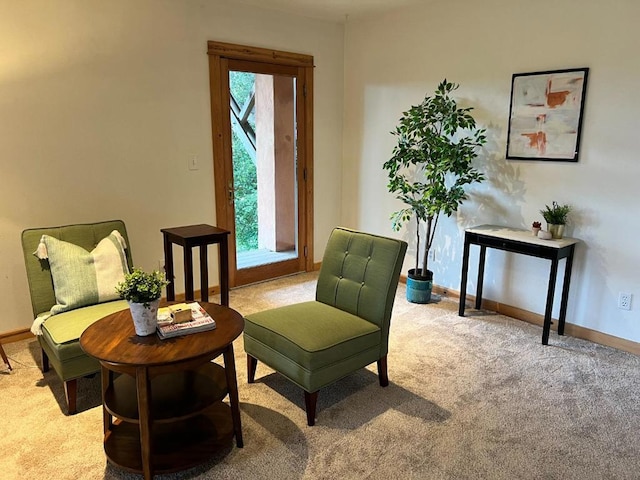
(60, 339)
(346, 328)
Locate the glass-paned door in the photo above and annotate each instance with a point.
(262, 126)
(264, 153)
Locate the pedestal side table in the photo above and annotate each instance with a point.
(197, 236)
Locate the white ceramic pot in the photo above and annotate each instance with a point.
(145, 319)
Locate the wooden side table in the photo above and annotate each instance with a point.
(197, 236)
(163, 407)
(4, 357)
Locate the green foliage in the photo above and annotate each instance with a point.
(245, 179)
(241, 85)
(245, 184)
(142, 287)
(556, 214)
(431, 163)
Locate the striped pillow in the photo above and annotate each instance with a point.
(82, 278)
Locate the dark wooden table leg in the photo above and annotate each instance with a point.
(107, 381)
(143, 384)
(224, 271)
(188, 273)
(463, 281)
(4, 357)
(565, 291)
(168, 268)
(234, 400)
(483, 256)
(549, 308)
(204, 274)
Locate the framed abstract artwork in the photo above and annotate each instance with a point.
(545, 115)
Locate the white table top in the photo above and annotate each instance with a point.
(521, 235)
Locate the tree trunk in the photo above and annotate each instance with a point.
(427, 246)
(418, 242)
(432, 223)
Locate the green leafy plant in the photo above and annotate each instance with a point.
(142, 287)
(556, 214)
(432, 163)
(245, 179)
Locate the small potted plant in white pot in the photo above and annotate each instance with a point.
(143, 291)
(556, 218)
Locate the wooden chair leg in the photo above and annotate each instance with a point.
(382, 372)
(310, 402)
(45, 362)
(71, 392)
(252, 363)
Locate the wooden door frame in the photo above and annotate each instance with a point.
(219, 55)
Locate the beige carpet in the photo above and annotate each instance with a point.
(470, 398)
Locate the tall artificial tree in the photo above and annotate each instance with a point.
(432, 163)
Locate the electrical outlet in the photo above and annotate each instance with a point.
(624, 301)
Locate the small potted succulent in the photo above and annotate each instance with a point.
(556, 218)
(143, 291)
(535, 228)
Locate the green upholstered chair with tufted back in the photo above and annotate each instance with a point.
(60, 333)
(346, 328)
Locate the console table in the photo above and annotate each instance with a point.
(163, 408)
(197, 236)
(520, 241)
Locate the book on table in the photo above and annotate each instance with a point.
(200, 321)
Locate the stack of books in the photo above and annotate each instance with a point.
(200, 320)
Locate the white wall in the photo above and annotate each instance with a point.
(392, 61)
(103, 101)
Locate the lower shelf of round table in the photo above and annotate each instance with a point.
(173, 395)
(176, 446)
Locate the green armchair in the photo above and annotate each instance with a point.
(346, 328)
(60, 333)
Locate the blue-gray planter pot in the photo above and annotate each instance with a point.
(419, 286)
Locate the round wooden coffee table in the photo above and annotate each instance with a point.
(162, 400)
